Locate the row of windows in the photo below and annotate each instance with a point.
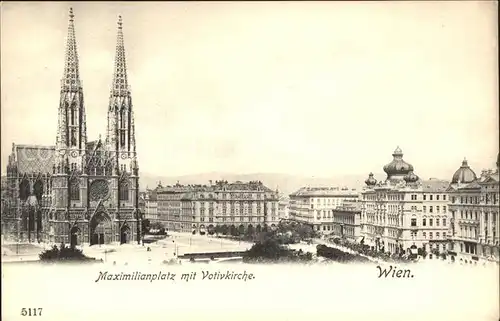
(489, 198)
(439, 235)
(328, 201)
(431, 209)
(400, 197)
(431, 222)
(233, 219)
(469, 215)
(238, 195)
(438, 197)
(213, 204)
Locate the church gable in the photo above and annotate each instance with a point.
(99, 160)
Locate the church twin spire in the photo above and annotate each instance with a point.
(71, 141)
(71, 77)
(120, 83)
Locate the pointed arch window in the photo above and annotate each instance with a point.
(74, 190)
(123, 122)
(123, 190)
(122, 138)
(24, 189)
(73, 114)
(123, 126)
(38, 190)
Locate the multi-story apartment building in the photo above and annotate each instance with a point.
(347, 220)
(474, 207)
(315, 205)
(403, 212)
(148, 205)
(225, 208)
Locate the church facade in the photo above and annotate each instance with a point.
(78, 191)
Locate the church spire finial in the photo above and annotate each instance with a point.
(71, 77)
(120, 82)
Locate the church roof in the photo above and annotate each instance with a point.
(35, 158)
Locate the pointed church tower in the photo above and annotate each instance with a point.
(71, 137)
(120, 137)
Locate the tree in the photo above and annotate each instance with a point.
(250, 230)
(156, 228)
(157, 225)
(269, 249)
(146, 226)
(63, 253)
(304, 231)
(424, 253)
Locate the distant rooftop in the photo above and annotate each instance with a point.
(218, 186)
(435, 185)
(324, 191)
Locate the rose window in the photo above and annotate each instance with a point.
(98, 190)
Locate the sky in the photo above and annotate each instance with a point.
(305, 88)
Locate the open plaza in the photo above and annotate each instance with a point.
(171, 247)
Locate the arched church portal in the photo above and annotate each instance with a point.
(75, 236)
(125, 235)
(100, 229)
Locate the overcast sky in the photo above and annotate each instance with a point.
(318, 89)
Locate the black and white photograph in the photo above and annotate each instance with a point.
(250, 160)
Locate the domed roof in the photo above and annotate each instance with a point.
(398, 166)
(371, 181)
(464, 174)
(411, 177)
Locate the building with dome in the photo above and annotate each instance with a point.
(78, 191)
(402, 212)
(474, 207)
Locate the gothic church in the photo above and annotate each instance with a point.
(78, 191)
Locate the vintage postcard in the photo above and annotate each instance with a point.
(250, 161)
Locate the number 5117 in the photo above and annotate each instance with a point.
(31, 312)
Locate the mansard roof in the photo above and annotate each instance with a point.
(324, 191)
(472, 185)
(34, 158)
(490, 178)
(219, 186)
(435, 186)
